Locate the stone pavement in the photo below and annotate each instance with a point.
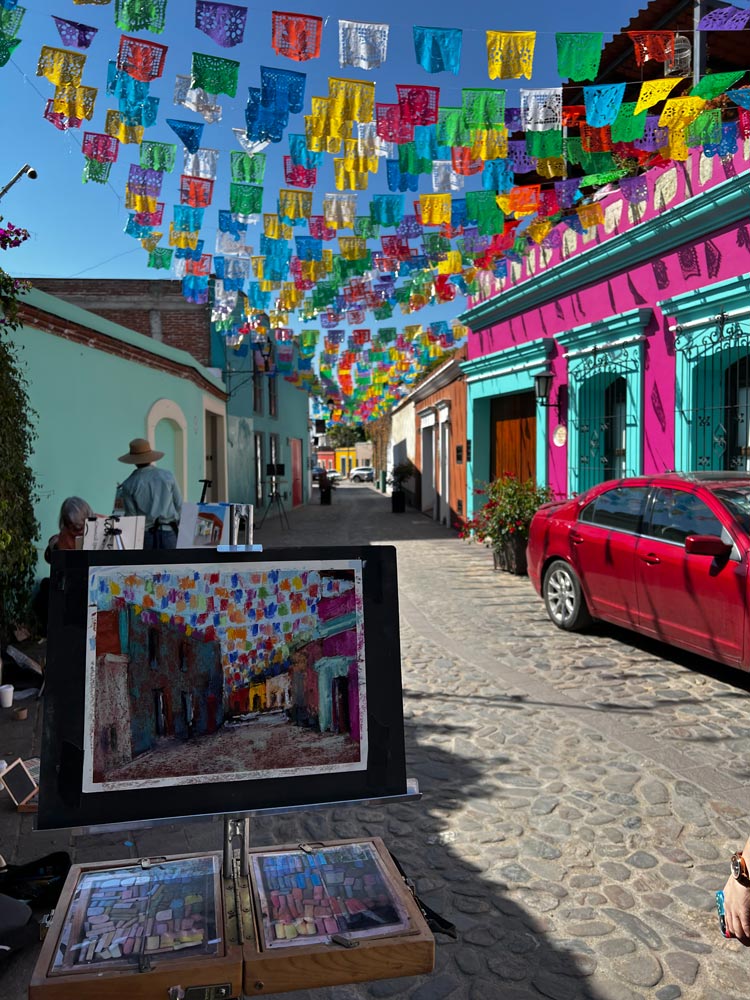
(582, 793)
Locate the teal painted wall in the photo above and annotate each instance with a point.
(291, 421)
(89, 404)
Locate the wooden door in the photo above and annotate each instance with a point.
(296, 445)
(513, 439)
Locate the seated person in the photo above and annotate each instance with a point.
(72, 522)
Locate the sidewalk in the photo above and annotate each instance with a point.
(582, 793)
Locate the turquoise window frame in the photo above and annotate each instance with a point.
(701, 316)
(605, 350)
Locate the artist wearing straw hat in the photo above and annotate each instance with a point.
(154, 493)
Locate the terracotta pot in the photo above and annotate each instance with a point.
(509, 554)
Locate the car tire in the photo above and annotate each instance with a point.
(563, 597)
(356, 479)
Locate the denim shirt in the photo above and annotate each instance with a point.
(153, 492)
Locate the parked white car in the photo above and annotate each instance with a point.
(362, 474)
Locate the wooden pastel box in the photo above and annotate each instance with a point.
(304, 916)
(130, 930)
(363, 925)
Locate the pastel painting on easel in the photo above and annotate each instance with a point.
(208, 673)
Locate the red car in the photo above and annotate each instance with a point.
(664, 555)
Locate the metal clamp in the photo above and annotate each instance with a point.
(345, 942)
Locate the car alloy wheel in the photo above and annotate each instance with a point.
(563, 599)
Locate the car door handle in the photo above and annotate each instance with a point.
(651, 559)
(576, 538)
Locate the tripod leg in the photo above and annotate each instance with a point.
(282, 512)
(265, 512)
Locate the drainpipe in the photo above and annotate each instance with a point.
(699, 43)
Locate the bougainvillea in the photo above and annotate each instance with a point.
(18, 526)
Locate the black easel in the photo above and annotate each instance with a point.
(207, 484)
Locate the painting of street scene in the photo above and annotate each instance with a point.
(223, 672)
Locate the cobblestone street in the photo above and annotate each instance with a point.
(582, 793)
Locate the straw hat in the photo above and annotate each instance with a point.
(141, 453)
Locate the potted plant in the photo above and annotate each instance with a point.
(399, 475)
(502, 522)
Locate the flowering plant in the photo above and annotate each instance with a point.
(12, 236)
(10, 288)
(510, 505)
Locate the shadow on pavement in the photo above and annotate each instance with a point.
(452, 842)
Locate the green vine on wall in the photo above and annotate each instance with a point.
(19, 529)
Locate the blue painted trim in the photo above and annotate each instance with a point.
(694, 218)
(606, 330)
(496, 364)
(707, 302)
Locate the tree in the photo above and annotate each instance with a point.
(18, 526)
(341, 436)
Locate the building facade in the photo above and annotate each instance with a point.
(93, 386)
(644, 325)
(441, 441)
(268, 425)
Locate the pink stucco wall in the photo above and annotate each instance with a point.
(722, 255)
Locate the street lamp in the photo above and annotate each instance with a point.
(25, 169)
(543, 387)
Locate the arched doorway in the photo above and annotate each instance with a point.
(166, 427)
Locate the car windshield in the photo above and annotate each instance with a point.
(737, 500)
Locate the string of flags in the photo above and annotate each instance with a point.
(373, 255)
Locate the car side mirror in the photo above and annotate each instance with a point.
(707, 545)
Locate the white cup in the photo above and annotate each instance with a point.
(6, 695)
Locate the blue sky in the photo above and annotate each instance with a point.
(77, 229)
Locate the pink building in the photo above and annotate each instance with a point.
(643, 324)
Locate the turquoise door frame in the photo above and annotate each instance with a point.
(501, 374)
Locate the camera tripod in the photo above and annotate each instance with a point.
(274, 497)
(112, 535)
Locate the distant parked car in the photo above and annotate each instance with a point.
(334, 475)
(362, 474)
(317, 470)
(665, 555)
